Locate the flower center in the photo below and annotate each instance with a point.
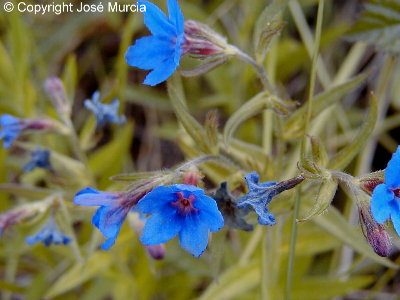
(184, 205)
(396, 191)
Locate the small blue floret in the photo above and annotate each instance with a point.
(385, 202)
(160, 52)
(40, 159)
(114, 207)
(182, 210)
(49, 234)
(105, 113)
(10, 128)
(259, 196)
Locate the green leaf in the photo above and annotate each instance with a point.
(192, 127)
(267, 27)
(345, 156)
(257, 104)
(295, 124)
(334, 223)
(70, 77)
(379, 25)
(79, 274)
(112, 154)
(324, 198)
(25, 191)
(11, 287)
(234, 282)
(327, 288)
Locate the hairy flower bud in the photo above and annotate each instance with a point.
(202, 41)
(54, 88)
(375, 233)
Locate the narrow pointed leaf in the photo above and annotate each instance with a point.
(346, 155)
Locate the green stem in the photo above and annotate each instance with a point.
(70, 231)
(259, 70)
(293, 237)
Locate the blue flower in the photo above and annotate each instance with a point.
(114, 207)
(40, 159)
(10, 129)
(105, 113)
(385, 202)
(49, 234)
(233, 216)
(182, 210)
(259, 196)
(160, 52)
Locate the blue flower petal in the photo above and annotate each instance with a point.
(395, 216)
(149, 51)
(162, 72)
(176, 16)
(49, 234)
(156, 21)
(209, 213)
(380, 203)
(10, 129)
(91, 197)
(104, 113)
(392, 172)
(194, 236)
(160, 228)
(109, 242)
(111, 219)
(157, 198)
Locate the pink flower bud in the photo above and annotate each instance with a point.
(56, 92)
(156, 251)
(202, 41)
(375, 233)
(192, 178)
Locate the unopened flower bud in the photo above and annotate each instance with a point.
(56, 92)
(156, 251)
(192, 177)
(202, 41)
(375, 233)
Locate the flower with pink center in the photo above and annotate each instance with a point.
(183, 210)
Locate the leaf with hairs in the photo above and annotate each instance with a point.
(379, 25)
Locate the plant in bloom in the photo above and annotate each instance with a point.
(182, 210)
(11, 127)
(261, 194)
(160, 52)
(114, 207)
(49, 234)
(104, 113)
(40, 159)
(385, 202)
